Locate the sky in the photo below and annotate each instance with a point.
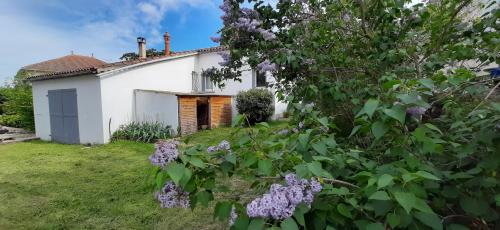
(34, 30)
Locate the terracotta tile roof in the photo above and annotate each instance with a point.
(116, 65)
(65, 64)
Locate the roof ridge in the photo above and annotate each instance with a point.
(120, 64)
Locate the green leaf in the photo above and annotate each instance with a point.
(320, 147)
(474, 206)
(375, 226)
(384, 180)
(379, 129)
(303, 139)
(433, 127)
(204, 197)
(431, 220)
(185, 177)
(300, 210)
(231, 158)
(222, 210)
(370, 107)
(396, 112)
(249, 159)
(195, 161)
(324, 121)
(379, 195)
(406, 200)
(289, 224)
(241, 222)
(421, 205)
(265, 167)
(175, 171)
(393, 220)
(456, 227)
(344, 210)
(426, 175)
(161, 178)
(355, 130)
(316, 169)
(302, 170)
(256, 224)
(497, 199)
(427, 82)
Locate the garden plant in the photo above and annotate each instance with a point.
(392, 124)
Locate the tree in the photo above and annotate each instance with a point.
(149, 53)
(396, 131)
(17, 103)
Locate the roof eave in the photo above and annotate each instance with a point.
(102, 72)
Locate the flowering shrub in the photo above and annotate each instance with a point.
(388, 115)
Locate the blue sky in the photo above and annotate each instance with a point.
(35, 30)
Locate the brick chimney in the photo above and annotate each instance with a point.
(166, 37)
(142, 47)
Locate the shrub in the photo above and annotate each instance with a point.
(10, 120)
(17, 107)
(256, 104)
(394, 141)
(143, 132)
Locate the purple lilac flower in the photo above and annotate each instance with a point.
(266, 66)
(301, 125)
(280, 202)
(247, 24)
(233, 216)
(315, 186)
(291, 179)
(171, 196)
(309, 61)
(224, 145)
(295, 194)
(226, 59)
(212, 149)
(215, 39)
(497, 126)
(165, 152)
(283, 132)
(267, 34)
(416, 111)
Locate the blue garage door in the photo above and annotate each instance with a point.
(63, 108)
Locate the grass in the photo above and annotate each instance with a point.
(52, 186)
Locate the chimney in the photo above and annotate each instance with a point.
(142, 47)
(166, 37)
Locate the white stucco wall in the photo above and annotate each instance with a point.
(232, 88)
(209, 60)
(89, 107)
(157, 107)
(118, 87)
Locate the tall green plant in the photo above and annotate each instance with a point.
(143, 132)
(399, 133)
(17, 106)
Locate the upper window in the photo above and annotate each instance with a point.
(206, 83)
(260, 79)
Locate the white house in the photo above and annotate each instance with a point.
(87, 105)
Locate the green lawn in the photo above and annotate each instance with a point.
(53, 186)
